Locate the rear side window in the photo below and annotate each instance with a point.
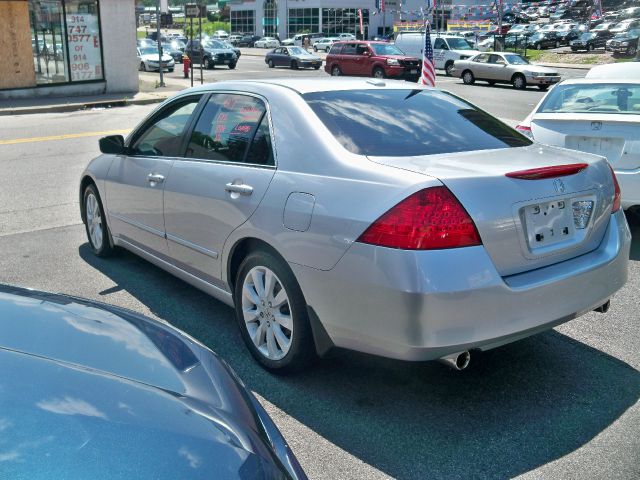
(403, 123)
(349, 49)
(335, 50)
(226, 129)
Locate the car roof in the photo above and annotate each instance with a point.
(617, 71)
(309, 85)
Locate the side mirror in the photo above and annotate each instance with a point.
(113, 144)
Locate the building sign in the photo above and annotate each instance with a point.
(192, 10)
(460, 25)
(83, 39)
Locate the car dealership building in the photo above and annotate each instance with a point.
(285, 18)
(67, 47)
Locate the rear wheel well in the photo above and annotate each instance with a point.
(240, 251)
(86, 181)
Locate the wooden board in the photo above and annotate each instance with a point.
(15, 43)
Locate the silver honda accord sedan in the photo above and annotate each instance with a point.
(377, 216)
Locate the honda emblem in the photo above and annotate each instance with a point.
(596, 125)
(559, 185)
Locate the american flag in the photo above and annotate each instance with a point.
(428, 76)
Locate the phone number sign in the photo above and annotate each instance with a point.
(83, 38)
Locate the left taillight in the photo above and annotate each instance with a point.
(617, 194)
(430, 219)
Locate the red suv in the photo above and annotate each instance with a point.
(371, 59)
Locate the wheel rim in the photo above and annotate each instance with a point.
(448, 69)
(378, 74)
(267, 313)
(518, 82)
(270, 64)
(94, 221)
(335, 72)
(467, 77)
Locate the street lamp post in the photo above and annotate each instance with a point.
(159, 43)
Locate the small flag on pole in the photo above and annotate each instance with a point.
(428, 76)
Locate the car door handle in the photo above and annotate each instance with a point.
(155, 178)
(239, 188)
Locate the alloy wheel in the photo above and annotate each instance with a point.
(94, 221)
(267, 313)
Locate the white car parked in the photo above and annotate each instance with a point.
(267, 42)
(324, 44)
(148, 60)
(594, 115)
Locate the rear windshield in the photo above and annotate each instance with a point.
(402, 123)
(619, 98)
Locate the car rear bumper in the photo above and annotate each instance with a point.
(629, 181)
(422, 305)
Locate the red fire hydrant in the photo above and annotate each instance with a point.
(186, 64)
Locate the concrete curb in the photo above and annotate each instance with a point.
(72, 107)
(576, 66)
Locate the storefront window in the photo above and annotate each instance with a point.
(65, 39)
(242, 21)
(303, 20)
(270, 19)
(83, 28)
(48, 40)
(344, 20)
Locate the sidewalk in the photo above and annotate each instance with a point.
(148, 94)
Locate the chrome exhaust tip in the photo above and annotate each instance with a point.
(604, 308)
(457, 361)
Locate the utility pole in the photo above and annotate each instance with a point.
(159, 43)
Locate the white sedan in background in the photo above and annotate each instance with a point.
(149, 60)
(594, 115)
(325, 44)
(267, 42)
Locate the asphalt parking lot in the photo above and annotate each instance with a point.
(562, 404)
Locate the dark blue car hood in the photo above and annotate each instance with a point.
(89, 391)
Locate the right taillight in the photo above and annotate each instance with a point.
(616, 194)
(523, 129)
(432, 218)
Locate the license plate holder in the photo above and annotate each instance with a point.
(549, 223)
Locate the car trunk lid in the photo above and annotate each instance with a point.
(614, 137)
(525, 223)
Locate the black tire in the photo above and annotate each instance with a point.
(557, 44)
(448, 68)
(171, 70)
(468, 77)
(143, 67)
(335, 71)
(294, 65)
(574, 49)
(591, 48)
(536, 46)
(378, 73)
(631, 51)
(208, 63)
(544, 88)
(317, 67)
(271, 64)
(491, 82)
(232, 66)
(302, 350)
(106, 248)
(519, 82)
(315, 49)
